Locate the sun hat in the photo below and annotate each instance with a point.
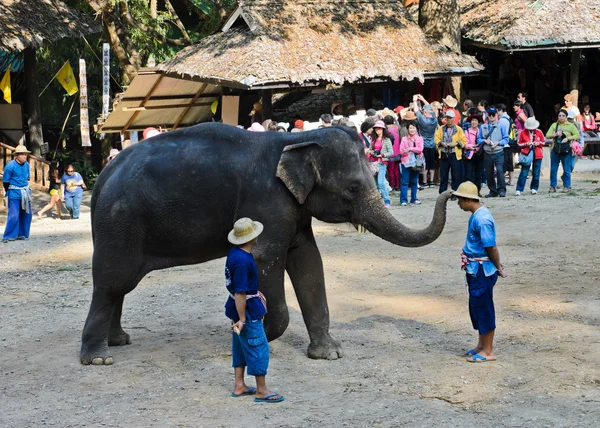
(399, 109)
(492, 110)
(371, 112)
(112, 154)
(21, 149)
(475, 116)
(244, 230)
(256, 127)
(379, 124)
(410, 115)
(150, 132)
(571, 114)
(299, 124)
(450, 101)
(531, 124)
(467, 190)
(450, 113)
(284, 125)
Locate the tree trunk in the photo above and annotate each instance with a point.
(34, 111)
(440, 20)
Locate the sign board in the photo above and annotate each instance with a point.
(230, 109)
(105, 78)
(84, 119)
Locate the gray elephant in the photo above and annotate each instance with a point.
(171, 200)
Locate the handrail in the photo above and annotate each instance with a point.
(39, 167)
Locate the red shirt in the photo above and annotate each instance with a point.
(538, 138)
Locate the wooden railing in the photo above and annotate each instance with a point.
(39, 167)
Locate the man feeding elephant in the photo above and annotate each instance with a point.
(171, 200)
(246, 307)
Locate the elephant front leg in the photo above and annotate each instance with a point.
(305, 268)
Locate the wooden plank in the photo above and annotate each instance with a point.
(182, 115)
(144, 101)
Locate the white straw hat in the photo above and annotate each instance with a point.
(531, 124)
(467, 190)
(244, 230)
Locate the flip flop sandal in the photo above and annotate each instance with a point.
(268, 399)
(479, 359)
(470, 353)
(251, 391)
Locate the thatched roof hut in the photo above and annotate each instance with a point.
(31, 23)
(519, 25)
(280, 44)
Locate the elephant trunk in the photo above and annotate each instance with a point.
(376, 218)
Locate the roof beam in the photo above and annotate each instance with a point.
(182, 115)
(143, 103)
(168, 106)
(173, 97)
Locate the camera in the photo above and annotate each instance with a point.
(376, 152)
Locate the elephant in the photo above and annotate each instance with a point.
(172, 199)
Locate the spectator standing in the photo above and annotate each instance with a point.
(393, 167)
(246, 307)
(450, 103)
(54, 190)
(522, 97)
(413, 143)
(427, 124)
(71, 190)
(494, 138)
(450, 140)
(480, 259)
(531, 139)
(562, 133)
(483, 106)
(326, 120)
(506, 124)
(467, 105)
(520, 116)
(589, 128)
(15, 180)
(473, 155)
(570, 105)
(381, 150)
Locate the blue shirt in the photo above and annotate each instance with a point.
(241, 276)
(68, 181)
(16, 175)
(427, 128)
(481, 234)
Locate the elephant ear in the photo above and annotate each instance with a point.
(297, 169)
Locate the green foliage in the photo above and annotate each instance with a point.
(77, 159)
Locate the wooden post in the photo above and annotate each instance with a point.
(267, 103)
(34, 111)
(575, 60)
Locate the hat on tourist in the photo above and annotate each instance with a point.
(410, 115)
(256, 127)
(492, 111)
(112, 154)
(450, 101)
(571, 114)
(244, 230)
(467, 190)
(150, 132)
(399, 109)
(21, 149)
(428, 107)
(475, 116)
(284, 125)
(450, 113)
(531, 124)
(299, 124)
(371, 112)
(379, 124)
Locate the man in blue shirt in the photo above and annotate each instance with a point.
(428, 123)
(493, 138)
(481, 261)
(15, 180)
(246, 307)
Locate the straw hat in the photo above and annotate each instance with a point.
(531, 124)
(244, 230)
(410, 115)
(450, 101)
(467, 190)
(20, 150)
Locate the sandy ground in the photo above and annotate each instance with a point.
(400, 314)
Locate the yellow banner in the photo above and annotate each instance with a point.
(5, 86)
(66, 78)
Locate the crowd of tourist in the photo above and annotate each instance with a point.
(425, 144)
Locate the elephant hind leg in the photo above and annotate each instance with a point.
(116, 334)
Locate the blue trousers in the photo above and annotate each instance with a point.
(497, 184)
(566, 161)
(473, 169)
(481, 301)
(18, 222)
(409, 177)
(535, 179)
(73, 203)
(381, 183)
(450, 164)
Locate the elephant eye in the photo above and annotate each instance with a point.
(353, 188)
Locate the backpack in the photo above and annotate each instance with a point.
(513, 132)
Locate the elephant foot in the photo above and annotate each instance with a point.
(118, 337)
(97, 357)
(325, 349)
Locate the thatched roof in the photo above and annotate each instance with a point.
(31, 23)
(529, 24)
(311, 42)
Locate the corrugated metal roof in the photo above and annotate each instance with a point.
(153, 99)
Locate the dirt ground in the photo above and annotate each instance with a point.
(400, 313)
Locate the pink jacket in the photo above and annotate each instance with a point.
(396, 143)
(408, 142)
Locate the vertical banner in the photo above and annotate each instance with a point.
(84, 119)
(105, 78)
